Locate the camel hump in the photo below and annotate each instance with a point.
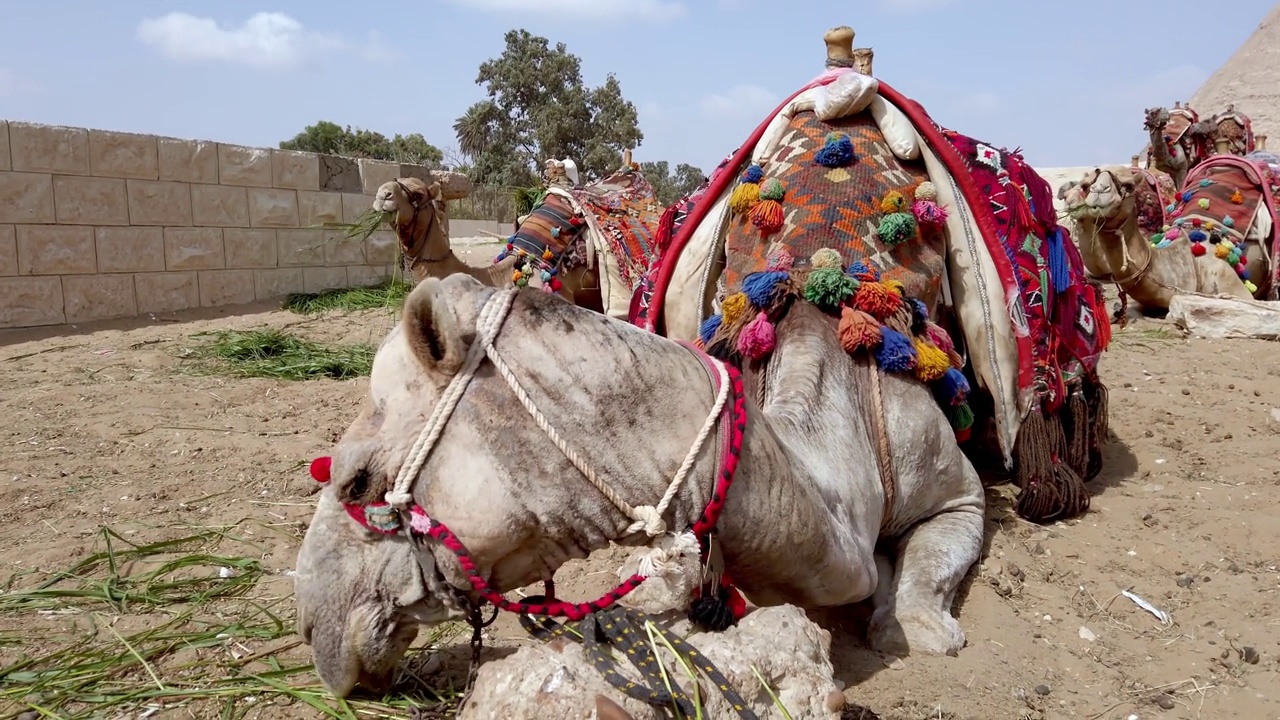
(839, 42)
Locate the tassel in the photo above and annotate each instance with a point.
(900, 320)
(762, 288)
(1050, 488)
(932, 363)
(826, 258)
(719, 611)
(957, 362)
(864, 272)
(858, 330)
(919, 316)
(952, 388)
(1096, 397)
(767, 215)
(666, 228)
(1197, 248)
(876, 299)
(829, 288)
(896, 352)
(709, 328)
(938, 337)
(1077, 433)
(779, 260)
(928, 212)
(744, 198)
(1237, 198)
(893, 202)
(733, 307)
(962, 421)
(837, 152)
(896, 228)
(1059, 269)
(757, 339)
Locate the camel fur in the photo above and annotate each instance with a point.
(1178, 160)
(1104, 211)
(805, 522)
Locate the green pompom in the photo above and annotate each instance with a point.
(772, 189)
(829, 288)
(896, 228)
(961, 416)
(1157, 238)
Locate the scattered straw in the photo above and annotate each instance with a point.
(389, 295)
(180, 625)
(272, 353)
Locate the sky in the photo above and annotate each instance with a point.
(1065, 81)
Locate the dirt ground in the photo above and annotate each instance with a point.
(105, 427)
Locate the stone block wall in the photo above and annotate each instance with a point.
(97, 224)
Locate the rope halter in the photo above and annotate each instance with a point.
(493, 314)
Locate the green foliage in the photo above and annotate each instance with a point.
(333, 139)
(671, 187)
(527, 199)
(390, 294)
(538, 107)
(275, 354)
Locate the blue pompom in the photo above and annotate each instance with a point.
(835, 154)
(953, 387)
(1197, 236)
(861, 268)
(501, 256)
(1244, 274)
(1206, 183)
(919, 314)
(1187, 195)
(762, 288)
(709, 328)
(754, 174)
(896, 352)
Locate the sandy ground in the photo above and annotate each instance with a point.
(105, 427)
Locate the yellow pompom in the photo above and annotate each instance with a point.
(744, 197)
(546, 254)
(896, 286)
(1221, 251)
(732, 308)
(931, 363)
(1248, 285)
(893, 202)
(516, 276)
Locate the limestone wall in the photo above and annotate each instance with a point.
(97, 224)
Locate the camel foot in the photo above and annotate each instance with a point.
(902, 631)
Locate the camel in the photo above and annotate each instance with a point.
(805, 521)
(1095, 262)
(421, 223)
(1105, 212)
(1175, 144)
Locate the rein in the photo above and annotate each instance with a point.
(399, 513)
(413, 226)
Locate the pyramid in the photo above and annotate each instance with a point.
(1251, 79)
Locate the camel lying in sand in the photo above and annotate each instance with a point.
(802, 523)
(1104, 209)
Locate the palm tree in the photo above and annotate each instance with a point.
(475, 129)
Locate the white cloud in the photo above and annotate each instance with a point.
(595, 10)
(265, 40)
(12, 85)
(750, 100)
(979, 103)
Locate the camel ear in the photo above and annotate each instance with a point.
(432, 329)
(434, 192)
(607, 709)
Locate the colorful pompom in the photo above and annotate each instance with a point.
(767, 216)
(938, 336)
(1198, 249)
(757, 339)
(763, 288)
(826, 258)
(708, 329)
(893, 202)
(744, 197)
(779, 260)
(896, 228)
(1203, 203)
(828, 288)
(926, 191)
(932, 363)
(836, 152)
(929, 212)
(864, 272)
(896, 352)
(1248, 285)
(877, 300)
(858, 330)
(1237, 198)
(754, 174)
(1197, 236)
(772, 189)
(733, 307)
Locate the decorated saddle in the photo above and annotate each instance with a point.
(936, 254)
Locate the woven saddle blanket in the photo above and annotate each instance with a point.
(1219, 198)
(625, 211)
(841, 208)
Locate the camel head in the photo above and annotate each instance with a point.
(417, 209)
(362, 594)
(1157, 118)
(1104, 194)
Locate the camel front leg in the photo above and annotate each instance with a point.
(913, 601)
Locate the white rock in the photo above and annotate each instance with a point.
(1222, 317)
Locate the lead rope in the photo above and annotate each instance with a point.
(495, 311)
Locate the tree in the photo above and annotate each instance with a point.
(668, 187)
(333, 139)
(538, 108)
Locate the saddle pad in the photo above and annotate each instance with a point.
(1210, 202)
(839, 208)
(626, 212)
(553, 225)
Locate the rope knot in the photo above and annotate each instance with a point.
(649, 519)
(397, 499)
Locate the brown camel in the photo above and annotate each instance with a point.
(1105, 212)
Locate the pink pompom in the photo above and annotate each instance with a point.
(1172, 233)
(929, 212)
(938, 337)
(1241, 268)
(780, 260)
(757, 339)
